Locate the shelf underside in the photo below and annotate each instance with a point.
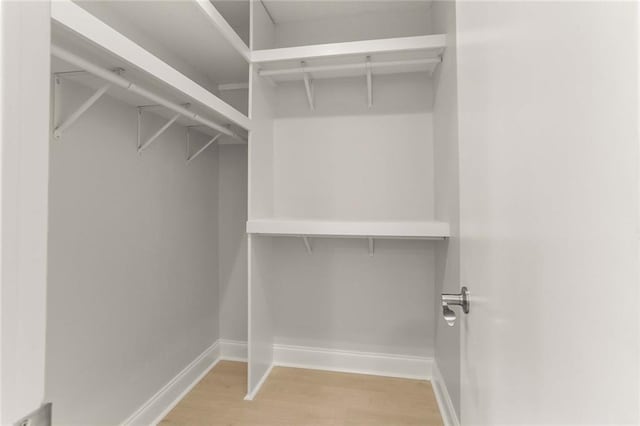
(183, 29)
(349, 229)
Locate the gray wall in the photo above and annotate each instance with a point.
(133, 262)
(445, 126)
(232, 221)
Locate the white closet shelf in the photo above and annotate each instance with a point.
(424, 230)
(81, 32)
(435, 44)
(383, 56)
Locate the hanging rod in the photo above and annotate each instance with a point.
(111, 77)
(340, 67)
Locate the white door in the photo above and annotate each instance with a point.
(548, 122)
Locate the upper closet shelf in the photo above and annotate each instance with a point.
(78, 31)
(311, 228)
(384, 56)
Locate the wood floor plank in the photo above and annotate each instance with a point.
(294, 396)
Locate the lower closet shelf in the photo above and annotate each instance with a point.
(425, 230)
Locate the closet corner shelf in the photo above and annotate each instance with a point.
(427, 230)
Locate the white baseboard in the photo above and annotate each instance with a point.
(353, 362)
(263, 379)
(233, 350)
(447, 411)
(159, 405)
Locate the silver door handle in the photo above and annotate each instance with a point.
(448, 300)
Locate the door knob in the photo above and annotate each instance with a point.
(448, 300)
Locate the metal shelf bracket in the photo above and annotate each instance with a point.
(75, 115)
(144, 145)
(191, 157)
(308, 85)
(307, 244)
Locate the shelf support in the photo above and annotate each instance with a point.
(308, 85)
(371, 246)
(73, 117)
(307, 244)
(158, 133)
(198, 152)
(68, 122)
(369, 85)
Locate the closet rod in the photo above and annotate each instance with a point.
(358, 66)
(111, 77)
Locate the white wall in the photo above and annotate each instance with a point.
(365, 26)
(354, 167)
(132, 284)
(447, 205)
(344, 161)
(24, 126)
(232, 246)
(339, 297)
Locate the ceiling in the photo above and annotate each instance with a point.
(302, 10)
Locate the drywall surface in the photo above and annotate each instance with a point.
(447, 204)
(232, 246)
(339, 297)
(132, 280)
(373, 167)
(24, 156)
(366, 26)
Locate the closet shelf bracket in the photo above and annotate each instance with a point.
(142, 146)
(307, 244)
(308, 85)
(371, 246)
(190, 157)
(74, 116)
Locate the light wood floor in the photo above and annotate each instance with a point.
(294, 396)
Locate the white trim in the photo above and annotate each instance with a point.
(255, 391)
(233, 350)
(159, 405)
(447, 411)
(378, 364)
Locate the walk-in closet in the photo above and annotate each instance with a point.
(318, 212)
(253, 179)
